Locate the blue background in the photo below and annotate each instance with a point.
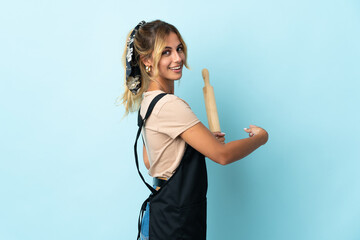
(292, 67)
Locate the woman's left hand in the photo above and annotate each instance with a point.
(220, 136)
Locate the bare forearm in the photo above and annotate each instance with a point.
(239, 149)
(213, 147)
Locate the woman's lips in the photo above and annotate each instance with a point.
(176, 69)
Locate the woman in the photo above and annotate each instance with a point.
(175, 141)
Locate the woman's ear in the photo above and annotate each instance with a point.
(146, 61)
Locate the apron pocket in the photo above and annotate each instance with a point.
(193, 221)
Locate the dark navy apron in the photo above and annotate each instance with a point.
(178, 208)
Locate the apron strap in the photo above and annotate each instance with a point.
(150, 108)
(141, 123)
(141, 215)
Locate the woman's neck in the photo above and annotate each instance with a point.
(167, 87)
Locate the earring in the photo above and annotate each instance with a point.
(147, 69)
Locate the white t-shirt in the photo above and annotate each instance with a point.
(170, 117)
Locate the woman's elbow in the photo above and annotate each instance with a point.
(223, 162)
(222, 158)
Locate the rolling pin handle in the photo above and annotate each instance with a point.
(205, 74)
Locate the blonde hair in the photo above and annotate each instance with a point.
(149, 42)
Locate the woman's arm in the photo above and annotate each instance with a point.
(200, 138)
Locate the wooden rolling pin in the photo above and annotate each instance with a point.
(210, 104)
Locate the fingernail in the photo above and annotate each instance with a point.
(245, 128)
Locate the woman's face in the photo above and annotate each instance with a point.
(172, 59)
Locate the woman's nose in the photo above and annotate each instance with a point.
(176, 57)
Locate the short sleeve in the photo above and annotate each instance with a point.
(175, 117)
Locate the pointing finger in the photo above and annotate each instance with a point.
(247, 130)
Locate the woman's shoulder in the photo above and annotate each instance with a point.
(169, 102)
(171, 115)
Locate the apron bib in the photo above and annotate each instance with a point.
(178, 208)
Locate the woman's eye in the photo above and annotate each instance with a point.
(180, 49)
(166, 52)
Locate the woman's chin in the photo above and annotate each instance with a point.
(178, 76)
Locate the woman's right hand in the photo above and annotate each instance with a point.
(255, 130)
